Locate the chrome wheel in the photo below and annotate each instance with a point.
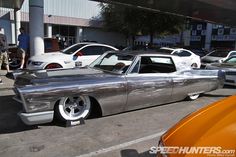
(74, 108)
(193, 96)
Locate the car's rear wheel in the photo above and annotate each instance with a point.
(53, 66)
(194, 65)
(14, 62)
(193, 96)
(73, 108)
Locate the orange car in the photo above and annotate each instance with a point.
(211, 131)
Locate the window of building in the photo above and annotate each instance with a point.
(199, 27)
(194, 32)
(220, 31)
(233, 31)
(203, 32)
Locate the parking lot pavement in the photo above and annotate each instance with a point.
(121, 135)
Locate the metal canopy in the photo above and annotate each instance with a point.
(216, 11)
(13, 4)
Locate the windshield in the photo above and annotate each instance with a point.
(231, 60)
(113, 62)
(72, 49)
(219, 53)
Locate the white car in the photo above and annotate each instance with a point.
(77, 55)
(189, 58)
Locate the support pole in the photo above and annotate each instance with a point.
(36, 26)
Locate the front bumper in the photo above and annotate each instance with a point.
(36, 118)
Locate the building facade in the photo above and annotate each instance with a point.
(70, 21)
(212, 36)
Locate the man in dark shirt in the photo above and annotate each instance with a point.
(3, 52)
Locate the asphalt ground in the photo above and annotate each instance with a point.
(129, 134)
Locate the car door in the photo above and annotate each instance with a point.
(148, 88)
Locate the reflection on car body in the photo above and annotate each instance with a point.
(114, 83)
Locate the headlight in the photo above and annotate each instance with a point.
(36, 63)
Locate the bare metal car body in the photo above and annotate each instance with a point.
(115, 92)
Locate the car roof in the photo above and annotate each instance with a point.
(146, 52)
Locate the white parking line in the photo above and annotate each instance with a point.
(122, 145)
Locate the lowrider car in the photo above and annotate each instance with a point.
(229, 66)
(114, 83)
(212, 127)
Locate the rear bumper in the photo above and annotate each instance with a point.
(36, 118)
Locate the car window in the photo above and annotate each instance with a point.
(92, 50)
(231, 60)
(105, 49)
(232, 54)
(182, 53)
(72, 49)
(156, 64)
(113, 62)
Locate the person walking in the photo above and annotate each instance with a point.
(3, 52)
(23, 46)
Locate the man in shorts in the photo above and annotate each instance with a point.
(3, 52)
(23, 46)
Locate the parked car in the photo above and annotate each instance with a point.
(113, 83)
(190, 59)
(229, 66)
(50, 45)
(216, 56)
(211, 128)
(77, 55)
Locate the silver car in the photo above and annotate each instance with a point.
(114, 83)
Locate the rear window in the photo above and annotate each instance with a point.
(72, 49)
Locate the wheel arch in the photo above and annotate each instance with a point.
(53, 63)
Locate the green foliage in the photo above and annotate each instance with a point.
(132, 21)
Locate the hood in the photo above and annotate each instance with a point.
(37, 77)
(210, 59)
(214, 125)
(50, 56)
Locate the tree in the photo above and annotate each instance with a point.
(132, 21)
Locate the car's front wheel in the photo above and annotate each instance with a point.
(73, 108)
